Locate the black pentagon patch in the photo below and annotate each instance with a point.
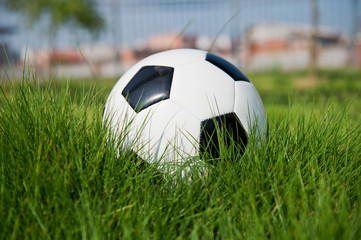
(230, 128)
(149, 85)
(227, 67)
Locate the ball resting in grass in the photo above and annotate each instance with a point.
(176, 108)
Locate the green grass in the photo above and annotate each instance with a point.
(61, 179)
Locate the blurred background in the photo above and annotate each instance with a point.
(84, 38)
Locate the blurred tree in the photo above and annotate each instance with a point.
(80, 13)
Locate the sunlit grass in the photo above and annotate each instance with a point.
(61, 178)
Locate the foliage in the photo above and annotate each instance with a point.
(79, 12)
(60, 177)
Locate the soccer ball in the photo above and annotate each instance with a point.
(171, 107)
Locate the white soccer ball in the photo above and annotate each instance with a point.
(167, 108)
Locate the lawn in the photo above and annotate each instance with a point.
(60, 177)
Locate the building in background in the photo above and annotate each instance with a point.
(268, 45)
(256, 35)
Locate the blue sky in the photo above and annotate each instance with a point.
(129, 22)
